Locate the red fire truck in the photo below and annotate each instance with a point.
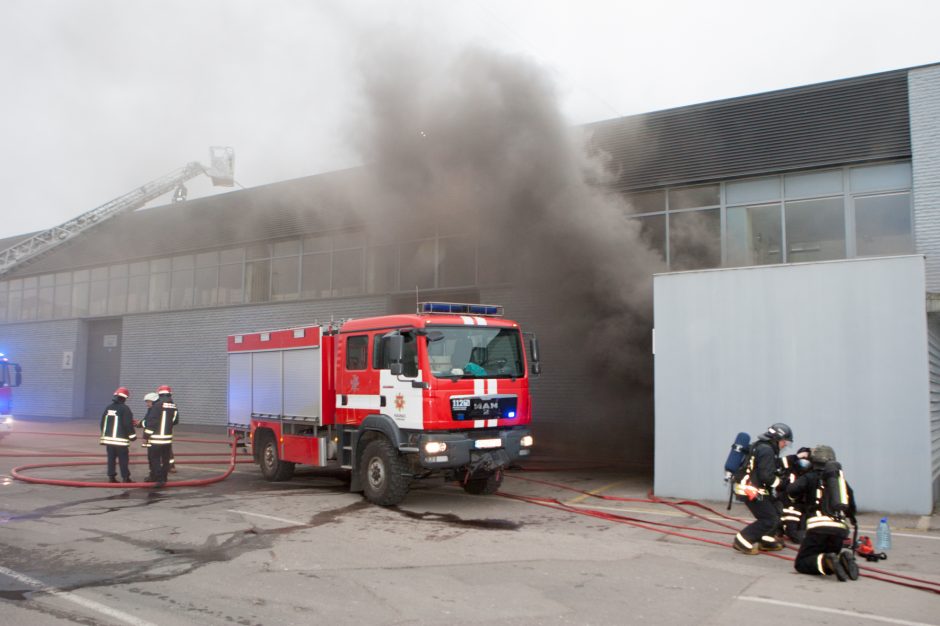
(444, 391)
(10, 376)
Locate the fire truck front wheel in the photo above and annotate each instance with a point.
(383, 475)
(272, 467)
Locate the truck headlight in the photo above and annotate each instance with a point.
(435, 447)
(527, 441)
(8, 419)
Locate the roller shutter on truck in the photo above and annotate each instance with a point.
(275, 374)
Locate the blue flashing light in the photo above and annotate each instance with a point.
(510, 414)
(459, 308)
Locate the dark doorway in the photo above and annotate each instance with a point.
(103, 366)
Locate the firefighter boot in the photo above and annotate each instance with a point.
(833, 564)
(744, 546)
(847, 559)
(112, 479)
(769, 544)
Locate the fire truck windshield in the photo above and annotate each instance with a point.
(476, 352)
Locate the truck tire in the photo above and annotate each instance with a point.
(272, 467)
(484, 485)
(382, 473)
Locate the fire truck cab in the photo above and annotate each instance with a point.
(444, 391)
(10, 376)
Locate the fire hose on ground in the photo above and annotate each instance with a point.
(17, 472)
(671, 529)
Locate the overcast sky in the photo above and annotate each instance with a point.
(101, 96)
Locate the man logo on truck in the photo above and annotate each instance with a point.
(337, 395)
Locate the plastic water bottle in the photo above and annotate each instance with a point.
(883, 540)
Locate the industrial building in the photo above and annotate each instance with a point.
(843, 170)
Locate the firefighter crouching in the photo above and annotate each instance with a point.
(117, 433)
(755, 484)
(792, 467)
(829, 505)
(158, 433)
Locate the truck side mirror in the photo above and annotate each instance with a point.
(18, 380)
(535, 366)
(394, 347)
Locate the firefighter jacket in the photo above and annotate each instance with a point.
(790, 470)
(159, 421)
(821, 505)
(758, 477)
(117, 425)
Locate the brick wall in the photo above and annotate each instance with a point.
(924, 86)
(187, 349)
(48, 389)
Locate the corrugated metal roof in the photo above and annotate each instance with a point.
(845, 121)
(284, 209)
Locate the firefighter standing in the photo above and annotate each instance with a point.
(828, 505)
(117, 432)
(755, 484)
(158, 430)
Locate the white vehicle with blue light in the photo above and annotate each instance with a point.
(10, 376)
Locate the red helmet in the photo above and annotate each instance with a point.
(122, 391)
(162, 389)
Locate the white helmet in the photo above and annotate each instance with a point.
(152, 397)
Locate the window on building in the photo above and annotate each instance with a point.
(231, 281)
(417, 261)
(80, 293)
(98, 296)
(754, 235)
(694, 197)
(694, 239)
(285, 277)
(46, 297)
(14, 304)
(258, 281)
(159, 296)
(646, 201)
(315, 273)
(347, 272)
(206, 286)
(357, 352)
(884, 177)
(289, 247)
(138, 288)
(815, 230)
(4, 301)
(883, 225)
(754, 191)
(813, 184)
(457, 266)
(653, 233)
(181, 288)
(382, 269)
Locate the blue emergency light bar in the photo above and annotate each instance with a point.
(459, 308)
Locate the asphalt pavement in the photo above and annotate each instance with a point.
(545, 550)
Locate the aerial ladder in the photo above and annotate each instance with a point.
(220, 171)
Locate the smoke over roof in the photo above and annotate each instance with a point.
(478, 137)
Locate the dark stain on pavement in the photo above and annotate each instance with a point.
(453, 520)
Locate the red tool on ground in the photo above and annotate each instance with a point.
(865, 548)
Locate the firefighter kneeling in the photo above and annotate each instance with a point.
(829, 505)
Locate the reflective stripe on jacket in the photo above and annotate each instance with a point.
(158, 424)
(117, 425)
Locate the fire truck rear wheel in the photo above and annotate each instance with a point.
(383, 473)
(484, 485)
(272, 467)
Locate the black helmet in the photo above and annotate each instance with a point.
(821, 455)
(778, 432)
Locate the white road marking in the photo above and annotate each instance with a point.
(71, 597)
(276, 519)
(822, 609)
